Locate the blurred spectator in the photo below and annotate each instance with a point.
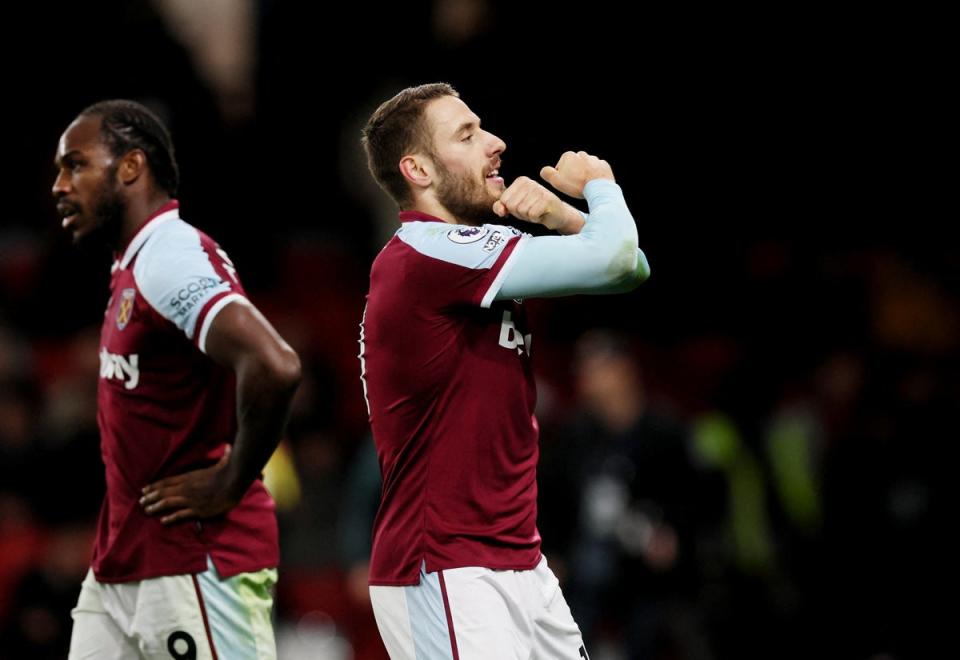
(632, 509)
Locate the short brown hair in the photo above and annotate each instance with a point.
(396, 129)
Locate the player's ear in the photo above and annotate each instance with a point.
(132, 165)
(417, 169)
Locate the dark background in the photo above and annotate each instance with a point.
(786, 169)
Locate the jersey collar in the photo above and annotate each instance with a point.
(419, 216)
(167, 212)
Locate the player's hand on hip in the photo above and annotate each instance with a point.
(201, 493)
(574, 170)
(525, 199)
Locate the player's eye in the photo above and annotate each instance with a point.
(467, 138)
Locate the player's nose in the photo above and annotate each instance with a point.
(495, 146)
(61, 185)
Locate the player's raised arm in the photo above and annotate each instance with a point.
(525, 199)
(603, 257)
(267, 372)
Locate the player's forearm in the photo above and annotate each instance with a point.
(602, 258)
(573, 220)
(265, 389)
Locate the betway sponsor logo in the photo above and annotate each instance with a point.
(124, 368)
(511, 338)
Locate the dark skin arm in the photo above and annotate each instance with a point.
(268, 372)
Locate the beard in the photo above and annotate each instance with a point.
(468, 201)
(106, 216)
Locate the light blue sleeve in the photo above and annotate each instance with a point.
(602, 258)
(174, 274)
(463, 245)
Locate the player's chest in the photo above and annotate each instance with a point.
(130, 325)
(500, 333)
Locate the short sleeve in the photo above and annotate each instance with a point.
(464, 264)
(186, 278)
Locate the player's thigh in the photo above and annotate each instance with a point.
(95, 634)
(170, 620)
(393, 621)
(491, 613)
(416, 622)
(239, 611)
(556, 633)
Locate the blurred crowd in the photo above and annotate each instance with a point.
(763, 491)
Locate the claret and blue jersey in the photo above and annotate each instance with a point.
(445, 363)
(165, 408)
(458, 458)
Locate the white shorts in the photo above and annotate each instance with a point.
(184, 617)
(476, 614)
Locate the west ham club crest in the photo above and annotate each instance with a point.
(125, 308)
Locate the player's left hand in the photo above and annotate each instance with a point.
(201, 493)
(525, 199)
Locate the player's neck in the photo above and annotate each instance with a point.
(429, 205)
(139, 210)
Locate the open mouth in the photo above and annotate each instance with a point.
(68, 214)
(494, 175)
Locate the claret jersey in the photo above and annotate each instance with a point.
(165, 408)
(447, 376)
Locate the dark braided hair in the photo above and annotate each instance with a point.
(127, 125)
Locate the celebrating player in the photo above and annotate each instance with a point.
(456, 569)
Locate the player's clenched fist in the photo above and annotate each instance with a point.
(574, 170)
(525, 199)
